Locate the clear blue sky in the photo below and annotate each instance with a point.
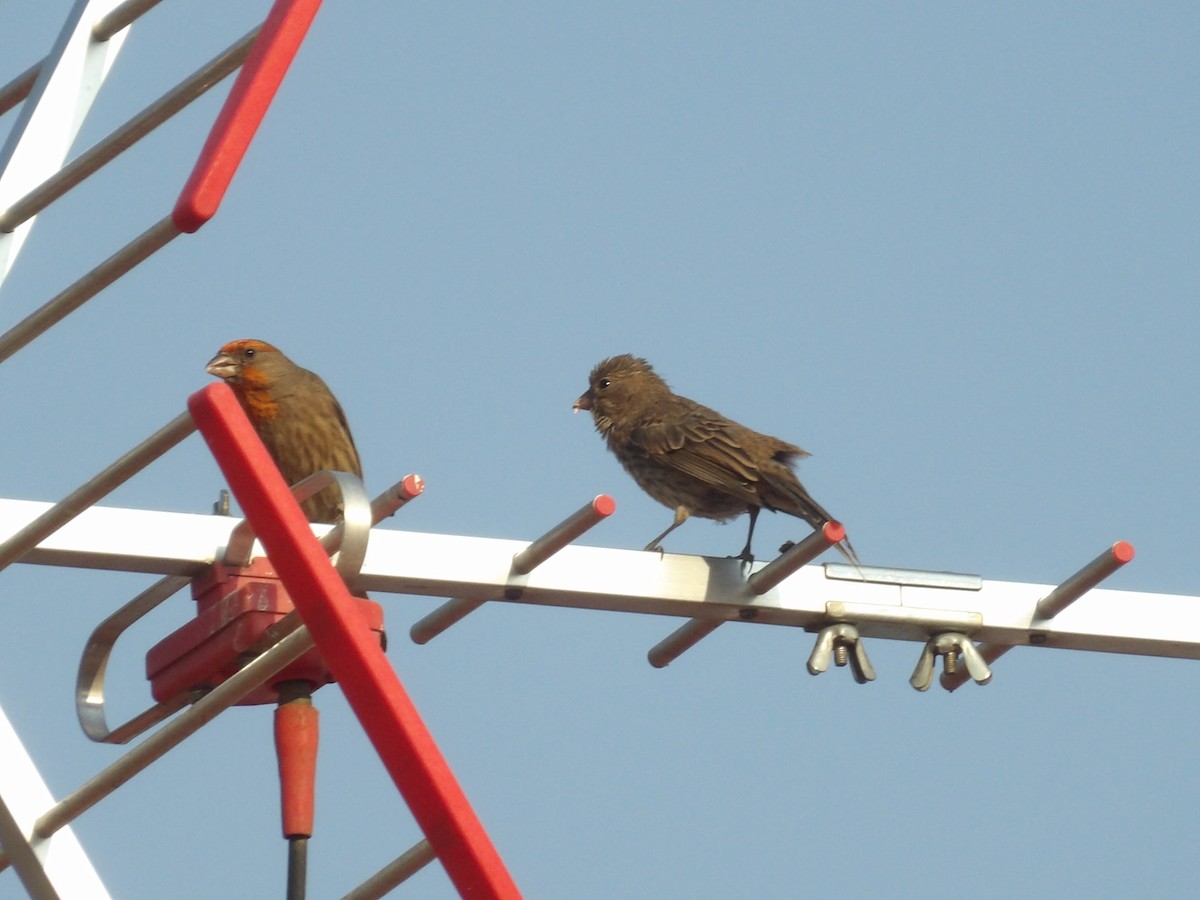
(950, 249)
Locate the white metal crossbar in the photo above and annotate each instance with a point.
(891, 603)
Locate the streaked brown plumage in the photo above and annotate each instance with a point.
(298, 418)
(690, 458)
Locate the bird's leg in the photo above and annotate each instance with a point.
(746, 556)
(681, 515)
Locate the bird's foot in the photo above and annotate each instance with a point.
(786, 546)
(746, 557)
(654, 547)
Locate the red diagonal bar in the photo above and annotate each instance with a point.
(370, 684)
(251, 94)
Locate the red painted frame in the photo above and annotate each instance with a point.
(352, 651)
(282, 33)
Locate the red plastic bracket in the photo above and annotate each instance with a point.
(268, 61)
(370, 684)
(234, 609)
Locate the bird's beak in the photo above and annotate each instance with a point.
(584, 402)
(222, 366)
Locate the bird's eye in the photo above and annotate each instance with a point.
(603, 383)
(249, 353)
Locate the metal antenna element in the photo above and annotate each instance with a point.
(61, 89)
(759, 583)
(399, 870)
(524, 562)
(96, 488)
(56, 94)
(172, 734)
(1104, 565)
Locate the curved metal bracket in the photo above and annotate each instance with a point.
(89, 682)
(348, 538)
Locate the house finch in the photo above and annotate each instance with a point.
(298, 418)
(690, 458)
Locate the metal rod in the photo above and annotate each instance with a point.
(690, 633)
(136, 251)
(240, 546)
(524, 562)
(106, 26)
(121, 17)
(22, 857)
(18, 89)
(563, 533)
(390, 501)
(1056, 601)
(297, 868)
(1084, 580)
(90, 491)
(426, 629)
(399, 870)
(172, 734)
(102, 153)
(350, 536)
(681, 639)
(798, 555)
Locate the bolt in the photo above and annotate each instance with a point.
(840, 653)
(951, 662)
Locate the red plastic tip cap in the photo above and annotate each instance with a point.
(413, 486)
(604, 505)
(834, 532)
(1122, 552)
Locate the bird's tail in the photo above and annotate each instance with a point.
(795, 500)
(845, 548)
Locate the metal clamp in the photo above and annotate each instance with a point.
(953, 647)
(837, 641)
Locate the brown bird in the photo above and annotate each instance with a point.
(692, 459)
(298, 418)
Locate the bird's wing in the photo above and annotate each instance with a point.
(341, 416)
(702, 444)
(318, 402)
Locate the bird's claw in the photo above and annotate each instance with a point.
(786, 546)
(746, 557)
(654, 547)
